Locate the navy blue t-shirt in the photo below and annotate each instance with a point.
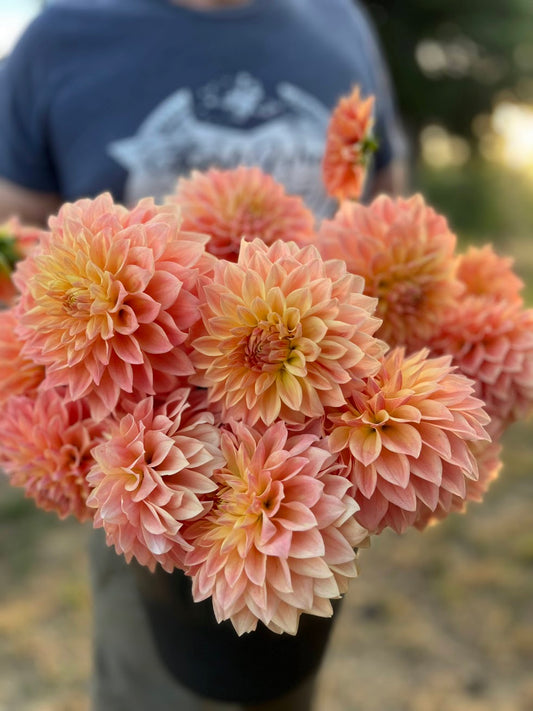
(125, 95)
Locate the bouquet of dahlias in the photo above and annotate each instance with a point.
(230, 391)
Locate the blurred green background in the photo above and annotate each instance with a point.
(440, 621)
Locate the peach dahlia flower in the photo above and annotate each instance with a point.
(282, 332)
(279, 539)
(485, 273)
(18, 375)
(405, 438)
(45, 448)
(349, 146)
(404, 251)
(150, 477)
(244, 202)
(491, 342)
(108, 298)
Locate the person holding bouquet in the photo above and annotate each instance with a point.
(126, 96)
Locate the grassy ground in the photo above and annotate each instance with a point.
(440, 621)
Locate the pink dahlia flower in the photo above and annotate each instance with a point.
(485, 273)
(107, 300)
(151, 476)
(404, 251)
(279, 539)
(487, 455)
(405, 438)
(230, 205)
(18, 375)
(283, 331)
(46, 449)
(492, 342)
(349, 146)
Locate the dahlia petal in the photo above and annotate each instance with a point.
(404, 498)
(289, 390)
(295, 516)
(403, 439)
(255, 567)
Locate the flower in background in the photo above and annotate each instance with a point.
(404, 251)
(404, 438)
(16, 242)
(18, 375)
(108, 299)
(491, 342)
(46, 449)
(349, 146)
(279, 539)
(151, 476)
(230, 205)
(485, 273)
(489, 465)
(282, 332)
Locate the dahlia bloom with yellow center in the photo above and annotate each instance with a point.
(349, 146)
(491, 341)
(485, 273)
(279, 538)
(404, 251)
(18, 375)
(46, 449)
(282, 332)
(151, 475)
(107, 299)
(405, 436)
(244, 202)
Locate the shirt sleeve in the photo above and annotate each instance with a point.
(388, 129)
(24, 148)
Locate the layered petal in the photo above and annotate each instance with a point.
(282, 332)
(46, 448)
(152, 474)
(349, 146)
(405, 252)
(406, 438)
(242, 203)
(279, 538)
(108, 299)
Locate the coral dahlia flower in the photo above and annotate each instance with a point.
(405, 436)
(18, 375)
(492, 342)
(46, 449)
(279, 539)
(108, 299)
(244, 202)
(485, 273)
(283, 332)
(405, 252)
(151, 476)
(349, 146)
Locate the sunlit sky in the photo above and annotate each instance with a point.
(14, 16)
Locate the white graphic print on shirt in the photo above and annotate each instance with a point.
(285, 136)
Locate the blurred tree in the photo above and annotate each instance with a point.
(451, 58)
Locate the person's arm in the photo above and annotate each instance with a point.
(29, 184)
(32, 207)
